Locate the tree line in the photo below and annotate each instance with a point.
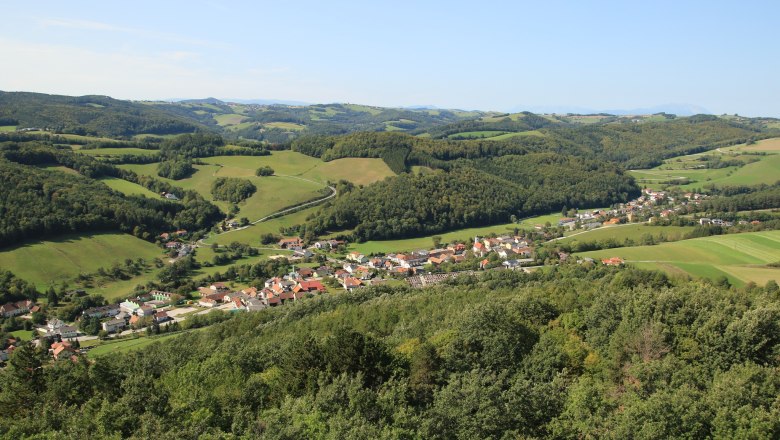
(569, 352)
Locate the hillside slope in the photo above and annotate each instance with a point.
(569, 353)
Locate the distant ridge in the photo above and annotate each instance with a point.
(676, 109)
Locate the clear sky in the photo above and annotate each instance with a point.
(720, 55)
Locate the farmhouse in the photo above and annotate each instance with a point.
(113, 325)
(614, 261)
(290, 243)
(102, 312)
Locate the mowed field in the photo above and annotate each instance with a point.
(740, 257)
(251, 235)
(763, 171)
(117, 152)
(273, 193)
(622, 232)
(127, 188)
(53, 261)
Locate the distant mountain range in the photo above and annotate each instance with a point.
(240, 101)
(677, 109)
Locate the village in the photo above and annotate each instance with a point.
(339, 270)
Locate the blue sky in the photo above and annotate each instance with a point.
(723, 56)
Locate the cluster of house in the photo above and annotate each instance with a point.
(11, 309)
(132, 310)
(515, 250)
(57, 329)
(721, 222)
(275, 291)
(172, 243)
(641, 208)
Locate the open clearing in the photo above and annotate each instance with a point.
(229, 119)
(61, 259)
(117, 151)
(251, 235)
(127, 188)
(741, 257)
(634, 232)
(273, 193)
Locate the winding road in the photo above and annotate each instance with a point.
(282, 212)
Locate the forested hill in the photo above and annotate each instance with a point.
(38, 203)
(413, 205)
(570, 352)
(629, 144)
(92, 115)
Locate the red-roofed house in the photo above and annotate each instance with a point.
(309, 287)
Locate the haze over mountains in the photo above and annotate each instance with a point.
(680, 109)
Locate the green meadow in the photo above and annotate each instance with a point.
(740, 257)
(52, 261)
(127, 188)
(251, 235)
(763, 171)
(628, 231)
(117, 151)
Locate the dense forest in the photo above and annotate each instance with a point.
(39, 203)
(93, 115)
(629, 144)
(410, 205)
(232, 189)
(570, 352)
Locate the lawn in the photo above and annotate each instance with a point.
(25, 335)
(7, 128)
(127, 188)
(61, 259)
(741, 257)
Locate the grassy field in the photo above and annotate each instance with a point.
(632, 231)
(25, 335)
(60, 168)
(117, 151)
(273, 193)
(229, 119)
(127, 188)
(285, 126)
(356, 170)
(7, 128)
(61, 259)
(763, 171)
(409, 244)
(477, 134)
(129, 344)
(251, 235)
(741, 257)
(511, 135)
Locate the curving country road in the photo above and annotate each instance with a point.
(333, 193)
